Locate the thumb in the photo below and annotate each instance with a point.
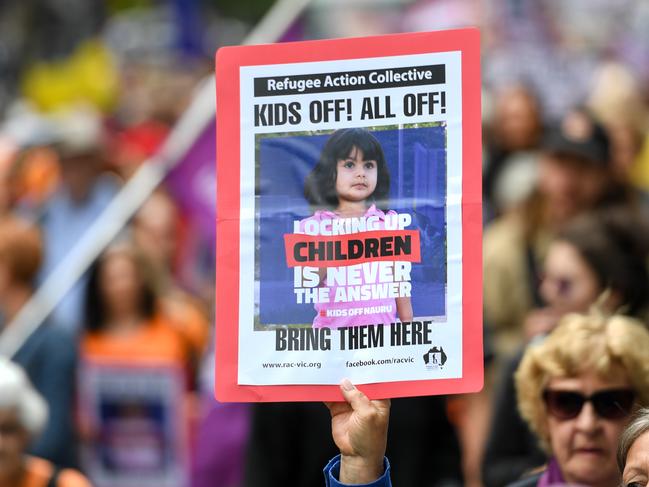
(353, 396)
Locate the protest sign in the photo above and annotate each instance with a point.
(134, 423)
(349, 217)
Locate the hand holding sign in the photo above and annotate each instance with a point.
(360, 430)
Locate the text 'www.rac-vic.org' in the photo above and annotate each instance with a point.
(292, 365)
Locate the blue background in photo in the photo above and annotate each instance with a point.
(416, 159)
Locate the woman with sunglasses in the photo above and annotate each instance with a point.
(576, 390)
(600, 256)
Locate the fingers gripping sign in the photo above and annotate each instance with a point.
(360, 429)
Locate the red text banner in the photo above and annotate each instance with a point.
(350, 249)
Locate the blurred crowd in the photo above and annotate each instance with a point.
(117, 381)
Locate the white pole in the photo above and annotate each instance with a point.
(136, 190)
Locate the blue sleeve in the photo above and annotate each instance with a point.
(332, 472)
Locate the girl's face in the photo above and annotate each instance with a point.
(355, 177)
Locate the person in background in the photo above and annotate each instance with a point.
(84, 192)
(516, 129)
(156, 233)
(49, 355)
(122, 320)
(139, 431)
(28, 177)
(617, 99)
(23, 415)
(597, 258)
(575, 176)
(633, 451)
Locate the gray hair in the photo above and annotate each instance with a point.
(16, 391)
(638, 426)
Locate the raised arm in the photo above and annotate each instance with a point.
(360, 430)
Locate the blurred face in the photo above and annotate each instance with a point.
(78, 174)
(120, 284)
(636, 470)
(585, 446)
(517, 119)
(625, 146)
(570, 186)
(356, 177)
(569, 284)
(155, 230)
(13, 443)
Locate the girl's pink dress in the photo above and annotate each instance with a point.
(327, 314)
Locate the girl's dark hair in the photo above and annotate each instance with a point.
(320, 184)
(95, 305)
(615, 243)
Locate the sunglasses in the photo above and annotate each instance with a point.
(608, 404)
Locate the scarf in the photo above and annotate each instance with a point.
(552, 475)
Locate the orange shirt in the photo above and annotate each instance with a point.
(38, 473)
(154, 341)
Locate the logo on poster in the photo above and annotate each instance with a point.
(435, 358)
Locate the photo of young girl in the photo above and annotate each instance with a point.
(317, 178)
(351, 180)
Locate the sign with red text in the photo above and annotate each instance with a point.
(349, 217)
